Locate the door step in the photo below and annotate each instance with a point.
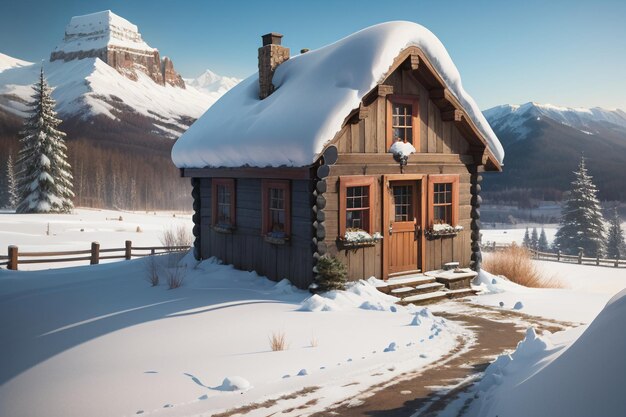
(409, 281)
(430, 287)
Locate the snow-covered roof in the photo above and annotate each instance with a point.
(314, 93)
(99, 30)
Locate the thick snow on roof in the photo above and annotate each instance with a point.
(99, 30)
(314, 93)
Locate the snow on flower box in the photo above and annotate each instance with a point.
(357, 238)
(223, 228)
(276, 238)
(442, 230)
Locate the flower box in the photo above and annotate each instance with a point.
(356, 238)
(442, 230)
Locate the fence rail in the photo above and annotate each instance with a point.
(561, 257)
(15, 257)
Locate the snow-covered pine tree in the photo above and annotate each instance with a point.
(615, 246)
(12, 197)
(44, 181)
(581, 223)
(542, 245)
(534, 239)
(526, 241)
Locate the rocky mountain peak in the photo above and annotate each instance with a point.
(117, 42)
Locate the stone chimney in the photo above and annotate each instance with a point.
(271, 55)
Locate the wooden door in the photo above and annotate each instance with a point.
(404, 227)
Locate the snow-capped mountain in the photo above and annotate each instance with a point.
(544, 144)
(515, 118)
(103, 67)
(212, 83)
(7, 62)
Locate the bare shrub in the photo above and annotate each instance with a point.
(278, 341)
(515, 263)
(152, 270)
(175, 276)
(176, 236)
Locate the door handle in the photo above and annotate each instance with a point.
(390, 229)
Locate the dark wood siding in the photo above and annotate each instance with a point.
(246, 248)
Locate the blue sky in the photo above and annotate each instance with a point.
(570, 53)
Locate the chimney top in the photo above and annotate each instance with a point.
(272, 38)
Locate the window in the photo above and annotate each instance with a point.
(403, 202)
(276, 208)
(355, 203)
(402, 122)
(443, 197)
(223, 202)
(442, 203)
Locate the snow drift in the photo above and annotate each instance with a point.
(584, 379)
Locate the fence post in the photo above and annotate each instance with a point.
(558, 255)
(494, 246)
(127, 247)
(616, 261)
(580, 255)
(152, 252)
(12, 258)
(597, 260)
(95, 253)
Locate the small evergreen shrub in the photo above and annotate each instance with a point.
(332, 274)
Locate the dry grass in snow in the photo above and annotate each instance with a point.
(516, 264)
(278, 341)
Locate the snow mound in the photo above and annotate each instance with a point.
(585, 379)
(402, 148)
(317, 303)
(325, 84)
(234, 383)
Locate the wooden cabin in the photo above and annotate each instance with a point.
(382, 213)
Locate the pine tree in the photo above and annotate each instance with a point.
(526, 241)
(44, 181)
(581, 224)
(11, 184)
(542, 244)
(534, 239)
(332, 274)
(615, 246)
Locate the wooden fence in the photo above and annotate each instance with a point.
(93, 255)
(560, 257)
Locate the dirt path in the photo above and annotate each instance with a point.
(421, 394)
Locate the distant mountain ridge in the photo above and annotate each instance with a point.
(122, 104)
(103, 67)
(543, 144)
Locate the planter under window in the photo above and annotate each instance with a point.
(223, 228)
(440, 231)
(355, 239)
(276, 238)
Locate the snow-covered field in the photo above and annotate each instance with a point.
(100, 341)
(62, 232)
(516, 234)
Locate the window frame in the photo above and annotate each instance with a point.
(443, 179)
(403, 99)
(346, 182)
(284, 185)
(230, 184)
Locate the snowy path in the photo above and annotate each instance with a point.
(490, 332)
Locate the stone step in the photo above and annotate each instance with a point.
(461, 292)
(419, 299)
(405, 292)
(402, 282)
(454, 280)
